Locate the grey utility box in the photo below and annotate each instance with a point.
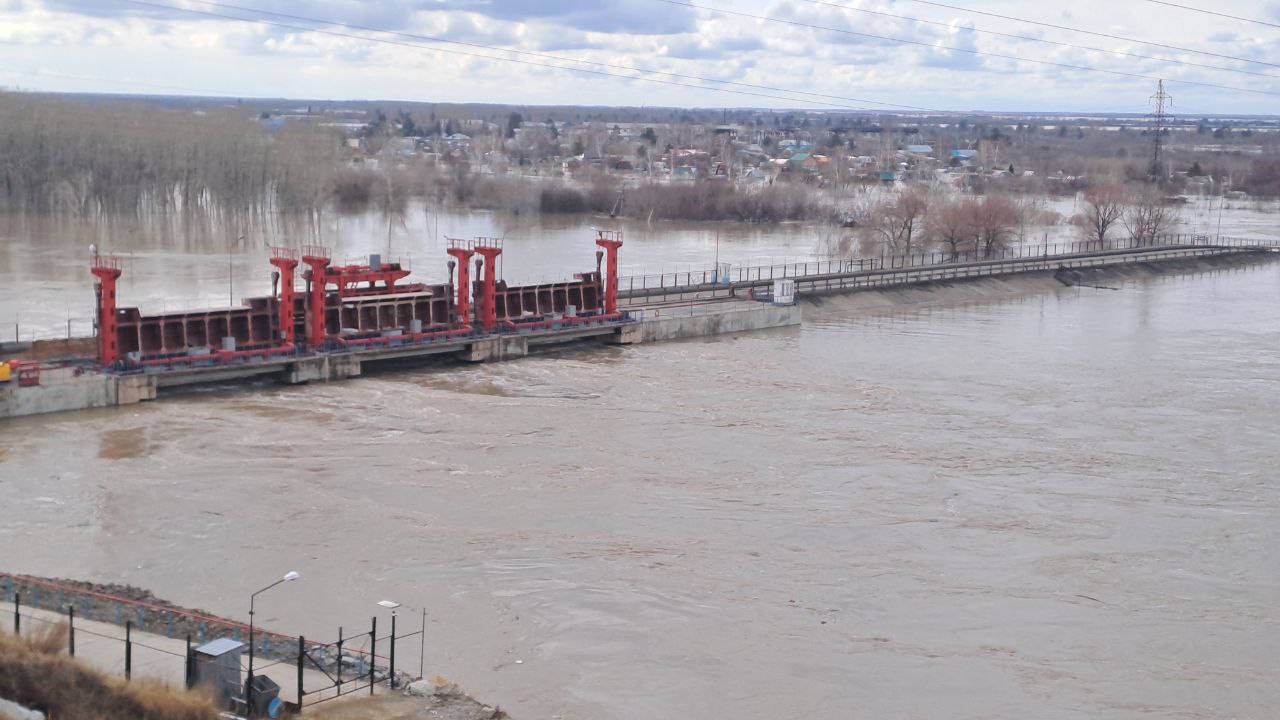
(218, 667)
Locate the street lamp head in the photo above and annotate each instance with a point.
(388, 604)
(291, 576)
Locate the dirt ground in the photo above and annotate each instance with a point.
(437, 699)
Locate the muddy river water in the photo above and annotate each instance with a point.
(1061, 503)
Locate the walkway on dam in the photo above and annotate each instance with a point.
(829, 276)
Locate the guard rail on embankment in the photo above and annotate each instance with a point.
(862, 273)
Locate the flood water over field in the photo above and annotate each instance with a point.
(1062, 504)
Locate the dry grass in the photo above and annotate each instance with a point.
(48, 638)
(34, 673)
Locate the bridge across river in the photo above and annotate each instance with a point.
(828, 276)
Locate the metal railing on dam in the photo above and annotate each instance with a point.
(857, 273)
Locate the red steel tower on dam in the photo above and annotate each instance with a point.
(364, 305)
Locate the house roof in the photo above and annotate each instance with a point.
(920, 149)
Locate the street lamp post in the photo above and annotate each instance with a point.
(422, 633)
(288, 577)
(391, 605)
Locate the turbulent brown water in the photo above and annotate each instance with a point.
(1061, 504)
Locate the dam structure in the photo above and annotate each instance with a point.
(328, 320)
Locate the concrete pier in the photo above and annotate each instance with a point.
(661, 324)
(499, 348)
(322, 368)
(69, 388)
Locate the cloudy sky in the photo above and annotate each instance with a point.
(881, 54)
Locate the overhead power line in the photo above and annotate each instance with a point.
(934, 3)
(558, 58)
(762, 91)
(1215, 12)
(1044, 41)
(117, 80)
(968, 51)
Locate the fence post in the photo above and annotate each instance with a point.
(17, 614)
(373, 647)
(128, 650)
(190, 675)
(392, 681)
(302, 650)
(339, 680)
(71, 630)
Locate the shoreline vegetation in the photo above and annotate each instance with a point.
(35, 673)
(63, 157)
(219, 169)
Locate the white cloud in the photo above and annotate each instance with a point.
(94, 45)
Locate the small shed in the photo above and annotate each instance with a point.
(217, 666)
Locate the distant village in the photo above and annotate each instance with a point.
(819, 149)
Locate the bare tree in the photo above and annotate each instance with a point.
(1149, 217)
(1104, 206)
(897, 222)
(995, 222)
(950, 224)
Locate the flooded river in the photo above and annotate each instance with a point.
(1059, 504)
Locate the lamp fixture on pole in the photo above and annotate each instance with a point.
(288, 577)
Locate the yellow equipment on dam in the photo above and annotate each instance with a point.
(6, 372)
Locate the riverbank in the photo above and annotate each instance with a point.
(158, 628)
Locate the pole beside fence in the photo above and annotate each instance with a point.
(338, 682)
(128, 650)
(302, 651)
(392, 677)
(71, 630)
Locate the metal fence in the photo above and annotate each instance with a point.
(640, 284)
(320, 671)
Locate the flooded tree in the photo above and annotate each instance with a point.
(897, 222)
(951, 225)
(1104, 206)
(1149, 217)
(995, 221)
(63, 156)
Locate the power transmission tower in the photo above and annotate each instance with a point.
(1161, 100)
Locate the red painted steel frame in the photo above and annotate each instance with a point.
(286, 261)
(490, 249)
(107, 270)
(318, 259)
(462, 250)
(349, 277)
(610, 240)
